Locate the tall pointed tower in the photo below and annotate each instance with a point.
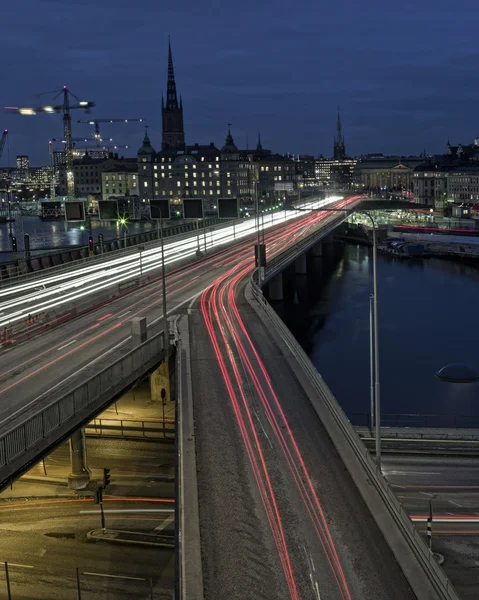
(339, 145)
(172, 112)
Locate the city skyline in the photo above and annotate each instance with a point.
(395, 76)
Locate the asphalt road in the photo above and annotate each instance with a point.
(451, 483)
(35, 370)
(279, 515)
(137, 469)
(46, 541)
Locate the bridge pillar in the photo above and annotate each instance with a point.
(80, 476)
(275, 286)
(138, 331)
(160, 380)
(300, 265)
(317, 250)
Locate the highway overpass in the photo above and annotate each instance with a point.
(280, 512)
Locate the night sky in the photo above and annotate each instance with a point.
(405, 74)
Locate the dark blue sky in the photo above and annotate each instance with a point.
(405, 74)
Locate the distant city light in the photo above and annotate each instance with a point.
(83, 103)
(26, 111)
(48, 109)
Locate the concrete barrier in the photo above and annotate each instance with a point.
(427, 579)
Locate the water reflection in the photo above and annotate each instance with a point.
(57, 234)
(427, 317)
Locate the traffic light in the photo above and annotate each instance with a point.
(90, 243)
(14, 244)
(98, 496)
(106, 477)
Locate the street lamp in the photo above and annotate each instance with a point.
(458, 373)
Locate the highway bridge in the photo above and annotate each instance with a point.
(278, 497)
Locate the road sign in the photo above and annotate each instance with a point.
(193, 208)
(228, 208)
(108, 210)
(286, 186)
(160, 208)
(75, 211)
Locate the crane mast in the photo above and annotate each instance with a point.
(67, 134)
(2, 142)
(64, 108)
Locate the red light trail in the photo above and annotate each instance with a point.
(227, 330)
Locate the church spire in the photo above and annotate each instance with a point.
(171, 97)
(339, 145)
(259, 147)
(172, 113)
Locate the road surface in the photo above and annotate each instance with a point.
(279, 515)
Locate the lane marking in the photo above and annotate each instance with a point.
(90, 364)
(104, 317)
(426, 493)
(446, 519)
(455, 503)
(65, 345)
(118, 511)
(115, 576)
(165, 523)
(125, 313)
(412, 473)
(20, 566)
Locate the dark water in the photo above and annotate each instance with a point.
(428, 317)
(58, 234)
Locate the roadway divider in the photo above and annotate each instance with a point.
(38, 430)
(189, 570)
(427, 579)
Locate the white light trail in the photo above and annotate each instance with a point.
(68, 287)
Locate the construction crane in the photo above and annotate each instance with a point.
(64, 108)
(99, 147)
(96, 123)
(2, 142)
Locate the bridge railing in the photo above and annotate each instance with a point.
(435, 575)
(282, 260)
(23, 442)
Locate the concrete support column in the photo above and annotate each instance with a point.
(317, 250)
(160, 380)
(80, 476)
(300, 265)
(276, 287)
(138, 331)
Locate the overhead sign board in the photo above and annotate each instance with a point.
(286, 186)
(228, 208)
(160, 208)
(75, 211)
(193, 208)
(108, 210)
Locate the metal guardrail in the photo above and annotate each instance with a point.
(23, 442)
(433, 571)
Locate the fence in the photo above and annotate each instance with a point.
(435, 575)
(37, 432)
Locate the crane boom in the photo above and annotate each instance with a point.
(96, 123)
(65, 107)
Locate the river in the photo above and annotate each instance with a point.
(427, 319)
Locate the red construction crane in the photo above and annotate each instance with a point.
(65, 107)
(96, 122)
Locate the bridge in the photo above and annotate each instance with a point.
(278, 497)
